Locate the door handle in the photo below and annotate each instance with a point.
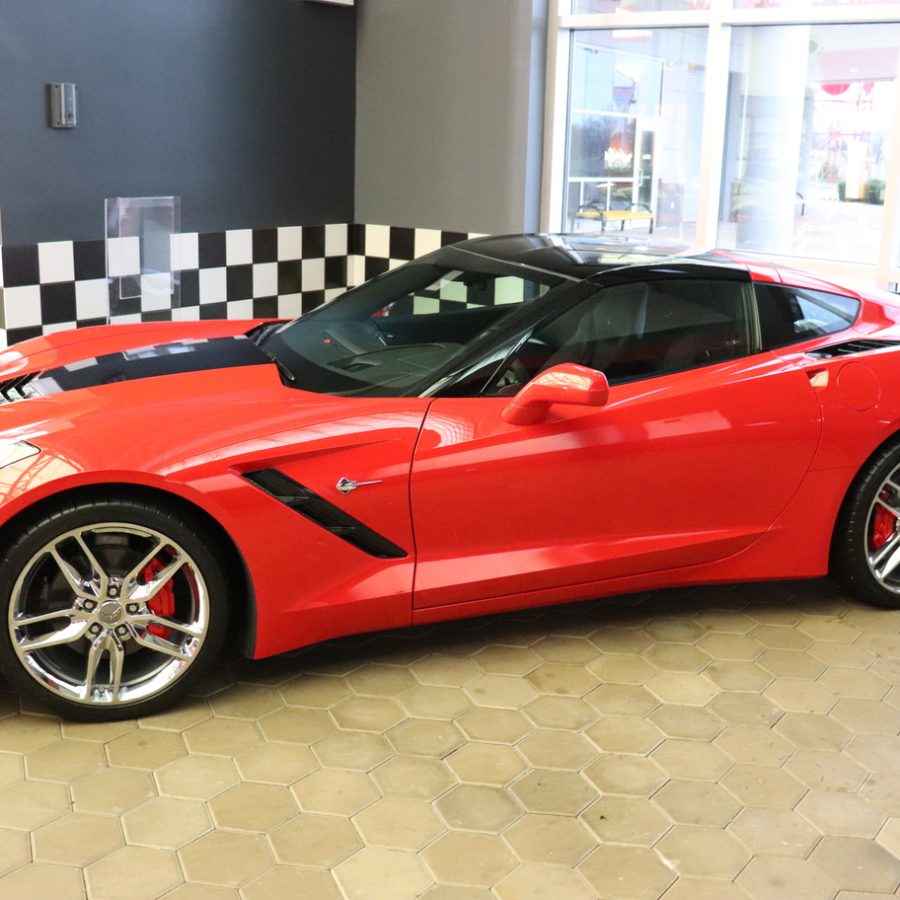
(818, 378)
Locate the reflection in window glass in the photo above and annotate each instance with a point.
(635, 124)
(396, 332)
(461, 291)
(806, 139)
(788, 315)
(587, 7)
(644, 329)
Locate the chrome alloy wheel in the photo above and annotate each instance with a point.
(883, 533)
(108, 613)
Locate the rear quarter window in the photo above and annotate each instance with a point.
(788, 315)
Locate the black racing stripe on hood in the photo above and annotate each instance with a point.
(150, 362)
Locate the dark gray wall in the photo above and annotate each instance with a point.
(450, 113)
(244, 108)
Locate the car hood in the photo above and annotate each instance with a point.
(69, 347)
(153, 361)
(49, 384)
(201, 402)
(116, 385)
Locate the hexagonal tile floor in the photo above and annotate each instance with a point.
(709, 744)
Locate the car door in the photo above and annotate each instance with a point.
(700, 446)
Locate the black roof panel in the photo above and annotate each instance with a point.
(576, 255)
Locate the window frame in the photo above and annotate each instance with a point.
(801, 338)
(685, 272)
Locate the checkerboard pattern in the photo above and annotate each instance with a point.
(239, 274)
(375, 249)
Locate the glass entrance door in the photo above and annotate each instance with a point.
(634, 124)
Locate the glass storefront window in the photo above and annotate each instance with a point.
(809, 112)
(634, 133)
(588, 7)
(800, 4)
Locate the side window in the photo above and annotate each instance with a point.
(641, 330)
(788, 314)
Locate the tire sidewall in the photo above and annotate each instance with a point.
(850, 545)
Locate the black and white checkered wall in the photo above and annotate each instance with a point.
(375, 249)
(240, 274)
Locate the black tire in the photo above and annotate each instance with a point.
(75, 599)
(853, 546)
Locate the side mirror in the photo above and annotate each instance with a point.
(566, 383)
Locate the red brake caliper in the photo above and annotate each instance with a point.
(163, 604)
(884, 526)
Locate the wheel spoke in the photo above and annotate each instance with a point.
(192, 629)
(894, 511)
(161, 645)
(144, 593)
(893, 561)
(134, 574)
(116, 666)
(97, 569)
(885, 550)
(26, 621)
(71, 632)
(108, 647)
(94, 658)
(71, 575)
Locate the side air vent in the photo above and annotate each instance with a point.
(848, 348)
(330, 517)
(12, 389)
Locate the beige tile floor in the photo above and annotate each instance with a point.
(713, 744)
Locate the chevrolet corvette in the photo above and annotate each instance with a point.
(506, 422)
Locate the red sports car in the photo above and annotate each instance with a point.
(507, 422)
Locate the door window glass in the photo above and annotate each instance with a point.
(639, 330)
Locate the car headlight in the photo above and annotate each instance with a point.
(15, 451)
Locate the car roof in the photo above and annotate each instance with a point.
(583, 255)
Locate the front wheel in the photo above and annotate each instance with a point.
(866, 546)
(113, 609)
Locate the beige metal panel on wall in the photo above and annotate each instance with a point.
(449, 113)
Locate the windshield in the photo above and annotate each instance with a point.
(394, 335)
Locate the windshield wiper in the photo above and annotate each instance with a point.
(261, 333)
(285, 371)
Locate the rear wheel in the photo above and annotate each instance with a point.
(866, 549)
(113, 609)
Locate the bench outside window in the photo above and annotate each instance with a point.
(637, 212)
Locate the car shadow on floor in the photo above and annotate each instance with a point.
(610, 624)
(731, 605)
